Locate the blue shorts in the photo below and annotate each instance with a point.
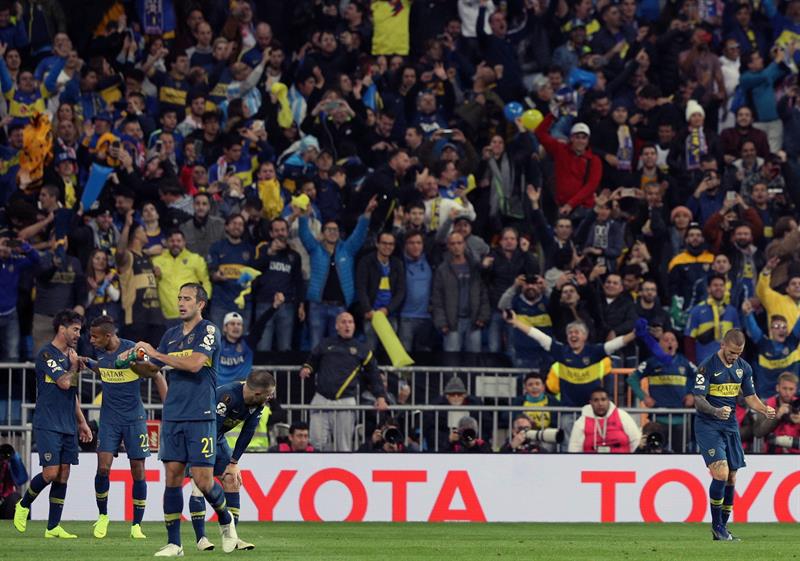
(716, 445)
(223, 458)
(188, 442)
(133, 435)
(56, 448)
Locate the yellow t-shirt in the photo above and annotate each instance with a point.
(390, 20)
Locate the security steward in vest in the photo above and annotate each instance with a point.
(337, 361)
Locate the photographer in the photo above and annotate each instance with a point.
(388, 438)
(12, 476)
(465, 439)
(653, 439)
(783, 432)
(527, 440)
(603, 428)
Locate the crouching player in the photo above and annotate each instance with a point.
(237, 402)
(122, 419)
(718, 381)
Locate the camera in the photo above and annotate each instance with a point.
(392, 435)
(508, 313)
(794, 407)
(654, 443)
(468, 435)
(548, 436)
(783, 441)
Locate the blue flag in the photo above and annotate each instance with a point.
(94, 185)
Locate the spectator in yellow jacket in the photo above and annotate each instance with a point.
(786, 305)
(176, 267)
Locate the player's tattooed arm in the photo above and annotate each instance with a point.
(703, 406)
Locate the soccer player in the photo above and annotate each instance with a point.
(237, 403)
(57, 421)
(191, 350)
(718, 381)
(122, 419)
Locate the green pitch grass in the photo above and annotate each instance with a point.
(428, 542)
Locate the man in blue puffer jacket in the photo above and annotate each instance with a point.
(328, 295)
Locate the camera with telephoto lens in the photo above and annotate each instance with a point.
(392, 435)
(783, 441)
(654, 443)
(548, 436)
(467, 435)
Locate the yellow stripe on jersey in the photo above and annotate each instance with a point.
(776, 363)
(576, 375)
(667, 380)
(118, 375)
(539, 320)
(187, 353)
(724, 326)
(724, 390)
(172, 96)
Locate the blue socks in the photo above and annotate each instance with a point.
(197, 509)
(101, 485)
(216, 498)
(716, 492)
(233, 505)
(37, 485)
(139, 500)
(173, 506)
(57, 493)
(727, 504)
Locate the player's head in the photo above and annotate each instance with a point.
(577, 333)
(778, 328)
(258, 387)
(101, 332)
(345, 325)
(786, 387)
(599, 401)
(67, 326)
(298, 436)
(732, 345)
(233, 326)
(192, 300)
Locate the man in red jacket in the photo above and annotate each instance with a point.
(578, 171)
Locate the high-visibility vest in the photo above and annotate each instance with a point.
(260, 440)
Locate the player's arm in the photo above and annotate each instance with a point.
(702, 405)
(192, 363)
(161, 385)
(65, 379)
(754, 403)
(84, 432)
(245, 436)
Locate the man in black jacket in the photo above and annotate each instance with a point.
(336, 362)
(615, 310)
(380, 285)
(389, 185)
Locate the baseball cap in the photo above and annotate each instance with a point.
(231, 316)
(579, 128)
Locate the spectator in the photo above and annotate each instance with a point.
(226, 259)
(616, 310)
(174, 268)
(536, 395)
(708, 322)
(335, 367)
(603, 428)
(439, 425)
(783, 432)
(649, 307)
(297, 441)
(281, 270)
(380, 285)
(143, 319)
(16, 256)
(103, 290)
(775, 303)
(550, 239)
(526, 298)
(203, 229)
(577, 170)
(416, 327)
(777, 352)
(236, 354)
(687, 267)
(733, 139)
(331, 288)
(670, 381)
(459, 300)
(758, 84)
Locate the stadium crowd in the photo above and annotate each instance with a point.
(304, 159)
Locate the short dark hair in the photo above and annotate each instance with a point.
(66, 318)
(715, 276)
(296, 426)
(200, 292)
(414, 235)
(599, 390)
(175, 231)
(233, 216)
(106, 323)
(534, 374)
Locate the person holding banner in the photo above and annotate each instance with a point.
(380, 285)
(336, 362)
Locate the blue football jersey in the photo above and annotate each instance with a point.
(55, 408)
(232, 410)
(122, 398)
(721, 385)
(192, 396)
